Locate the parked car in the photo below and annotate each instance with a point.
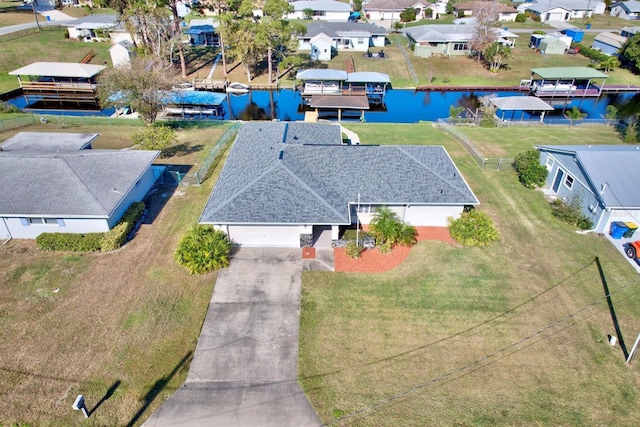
(633, 249)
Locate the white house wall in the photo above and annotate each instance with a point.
(136, 194)
(434, 216)
(4, 231)
(71, 225)
(283, 236)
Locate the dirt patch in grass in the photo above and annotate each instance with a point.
(372, 261)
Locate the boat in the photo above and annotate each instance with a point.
(237, 87)
(184, 86)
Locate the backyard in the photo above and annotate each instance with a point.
(118, 327)
(512, 334)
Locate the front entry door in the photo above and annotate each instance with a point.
(556, 183)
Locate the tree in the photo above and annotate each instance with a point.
(389, 230)
(450, 7)
(531, 173)
(308, 13)
(609, 64)
(574, 114)
(496, 54)
(484, 32)
(611, 114)
(203, 249)
(631, 132)
(154, 137)
(455, 112)
(278, 31)
(141, 85)
(630, 53)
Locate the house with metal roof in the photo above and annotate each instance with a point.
(344, 36)
(380, 10)
(201, 32)
(285, 182)
(502, 12)
(609, 43)
(551, 11)
(629, 10)
(92, 27)
(448, 40)
(70, 191)
(629, 31)
(326, 10)
(603, 178)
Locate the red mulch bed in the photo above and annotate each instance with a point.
(373, 261)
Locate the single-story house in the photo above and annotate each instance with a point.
(285, 182)
(380, 10)
(70, 191)
(503, 12)
(449, 40)
(49, 141)
(629, 31)
(582, 8)
(358, 36)
(626, 10)
(549, 11)
(327, 10)
(92, 27)
(121, 53)
(202, 32)
(609, 43)
(602, 177)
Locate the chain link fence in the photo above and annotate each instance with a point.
(228, 136)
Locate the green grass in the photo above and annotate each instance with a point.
(458, 336)
(82, 323)
(44, 46)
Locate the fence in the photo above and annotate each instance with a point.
(28, 31)
(228, 136)
(16, 122)
(497, 163)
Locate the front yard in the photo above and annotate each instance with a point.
(514, 334)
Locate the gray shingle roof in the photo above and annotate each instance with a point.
(265, 181)
(615, 165)
(326, 5)
(48, 141)
(396, 5)
(86, 183)
(343, 29)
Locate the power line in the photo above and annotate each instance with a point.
(446, 375)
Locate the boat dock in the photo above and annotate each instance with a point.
(472, 88)
(221, 85)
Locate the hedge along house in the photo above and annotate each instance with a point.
(603, 178)
(286, 184)
(69, 190)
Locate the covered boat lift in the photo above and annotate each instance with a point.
(323, 103)
(321, 82)
(521, 103)
(373, 84)
(194, 103)
(566, 82)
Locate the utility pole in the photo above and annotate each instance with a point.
(35, 15)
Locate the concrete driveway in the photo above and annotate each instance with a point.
(244, 368)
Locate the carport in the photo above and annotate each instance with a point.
(521, 103)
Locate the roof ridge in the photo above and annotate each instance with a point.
(89, 191)
(400, 148)
(312, 191)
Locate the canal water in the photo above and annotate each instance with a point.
(401, 106)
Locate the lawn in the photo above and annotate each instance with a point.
(513, 334)
(49, 45)
(118, 327)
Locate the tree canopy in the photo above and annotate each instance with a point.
(630, 53)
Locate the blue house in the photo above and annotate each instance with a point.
(603, 178)
(609, 43)
(202, 32)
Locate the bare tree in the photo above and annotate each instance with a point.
(484, 32)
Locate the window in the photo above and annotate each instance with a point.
(42, 221)
(366, 208)
(568, 182)
(318, 13)
(549, 163)
(36, 221)
(360, 40)
(460, 46)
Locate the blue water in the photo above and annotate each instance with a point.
(401, 106)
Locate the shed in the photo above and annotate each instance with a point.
(575, 34)
(121, 53)
(609, 43)
(552, 46)
(321, 48)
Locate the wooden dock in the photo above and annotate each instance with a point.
(221, 85)
(472, 89)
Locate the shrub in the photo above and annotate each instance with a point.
(89, 242)
(154, 137)
(388, 228)
(521, 17)
(473, 228)
(353, 250)
(530, 172)
(6, 107)
(350, 234)
(203, 249)
(590, 53)
(408, 15)
(571, 213)
(117, 236)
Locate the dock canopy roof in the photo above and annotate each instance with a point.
(337, 101)
(314, 74)
(521, 103)
(59, 69)
(569, 73)
(368, 77)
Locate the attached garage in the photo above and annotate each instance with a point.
(264, 235)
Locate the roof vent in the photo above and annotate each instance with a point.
(281, 155)
(284, 134)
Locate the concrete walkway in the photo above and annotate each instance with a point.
(244, 368)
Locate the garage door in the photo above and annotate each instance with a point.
(269, 236)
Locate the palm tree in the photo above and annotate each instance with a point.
(574, 114)
(389, 230)
(609, 64)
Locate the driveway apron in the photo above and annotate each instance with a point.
(244, 368)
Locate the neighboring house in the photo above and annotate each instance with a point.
(629, 31)
(121, 53)
(202, 32)
(449, 40)
(609, 43)
(626, 10)
(503, 12)
(582, 8)
(326, 10)
(92, 27)
(49, 141)
(69, 190)
(358, 36)
(602, 177)
(286, 182)
(380, 10)
(549, 11)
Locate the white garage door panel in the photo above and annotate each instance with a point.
(269, 236)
